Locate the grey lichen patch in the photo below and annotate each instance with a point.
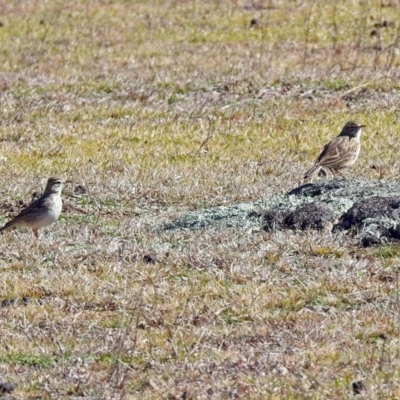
(369, 207)
(224, 216)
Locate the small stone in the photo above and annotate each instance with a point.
(150, 258)
(79, 189)
(382, 336)
(369, 240)
(281, 370)
(358, 387)
(26, 301)
(254, 22)
(7, 302)
(7, 387)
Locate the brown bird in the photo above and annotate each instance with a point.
(43, 211)
(340, 153)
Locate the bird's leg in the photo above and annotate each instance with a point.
(341, 174)
(332, 172)
(336, 172)
(36, 233)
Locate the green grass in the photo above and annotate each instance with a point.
(388, 252)
(27, 360)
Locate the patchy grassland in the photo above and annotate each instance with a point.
(160, 107)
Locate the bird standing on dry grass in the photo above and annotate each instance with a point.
(43, 211)
(340, 153)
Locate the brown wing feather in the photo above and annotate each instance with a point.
(338, 151)
(37, 204)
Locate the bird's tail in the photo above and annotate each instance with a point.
(311, 172)
(8, 225)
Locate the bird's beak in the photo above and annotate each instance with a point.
(362, 126)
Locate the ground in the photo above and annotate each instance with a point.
(156, 108)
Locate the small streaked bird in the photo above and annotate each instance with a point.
(43, 211)
(340, 153)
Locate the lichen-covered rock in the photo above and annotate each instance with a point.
(374, 218)
(307, 216)
(319, 188)
(375, 207)
(368, 208)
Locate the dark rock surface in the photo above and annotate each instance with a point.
(307, 216)
(371, 207)
(367, 208)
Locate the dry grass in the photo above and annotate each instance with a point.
(160, 107)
